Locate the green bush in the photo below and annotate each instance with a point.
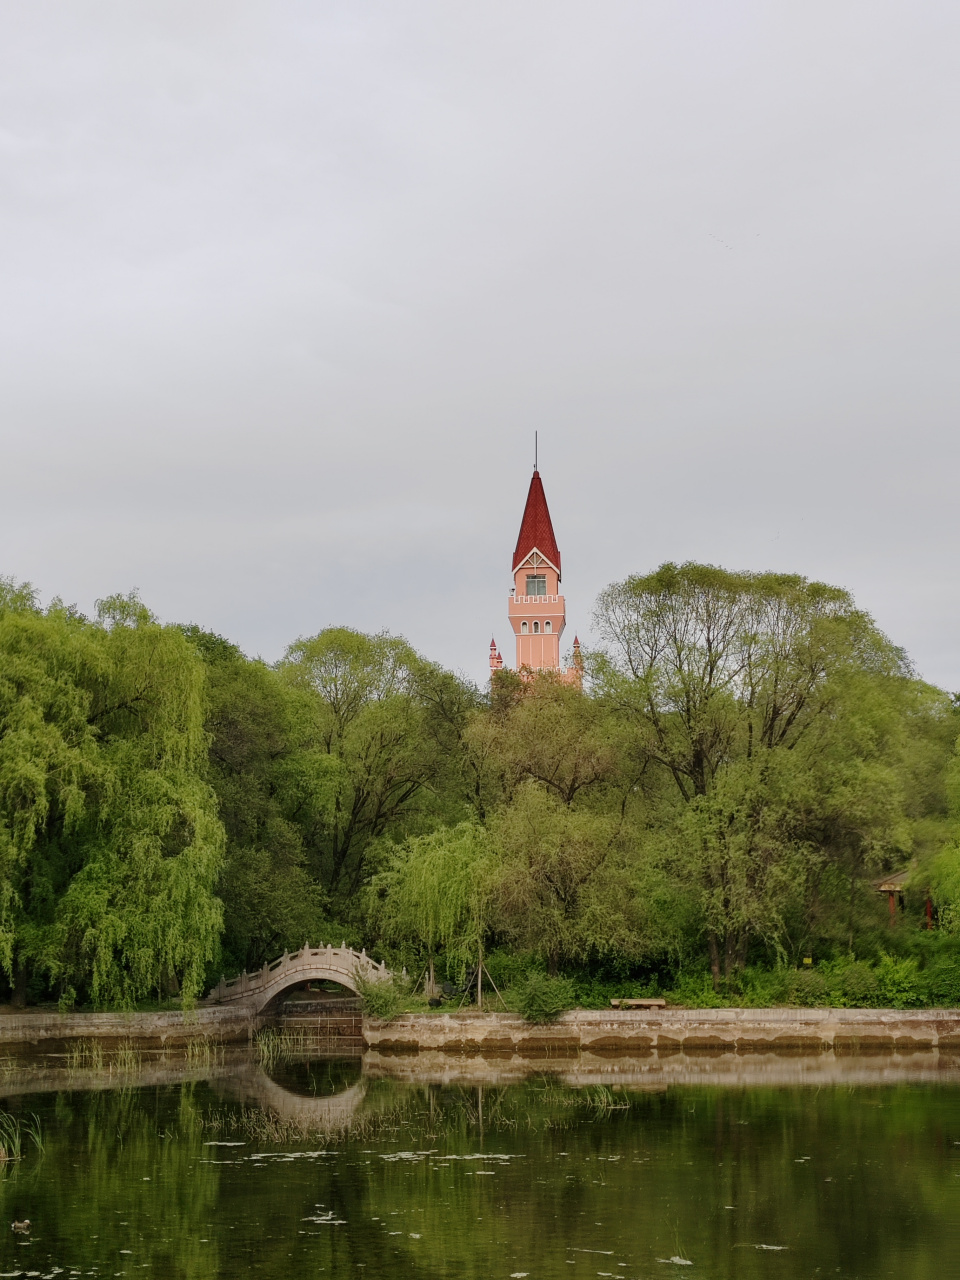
(809, 988)
(695, 991)
(381, 999)
(542, 999)
(900, 982)
(943, 981)
(857, 984)
(760, 988)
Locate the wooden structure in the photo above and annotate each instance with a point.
(310, 964)
(639, 1004)
(894, 887)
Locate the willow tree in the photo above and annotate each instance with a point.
(110, 843)
(770, 707)
(436, 892)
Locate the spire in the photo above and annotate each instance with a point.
(536, 528)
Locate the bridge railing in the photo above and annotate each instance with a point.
(343, 959)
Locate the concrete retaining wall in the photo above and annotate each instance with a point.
(603, 1033)
(600, 1032)
(224, 1023)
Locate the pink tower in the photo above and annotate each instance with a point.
(536, 609)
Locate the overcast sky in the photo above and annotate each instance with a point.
(286, 288)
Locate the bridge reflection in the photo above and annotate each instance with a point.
(289, 1100)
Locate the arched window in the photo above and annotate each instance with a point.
(548, 626)
(523, 628)
(536, 628)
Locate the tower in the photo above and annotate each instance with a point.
(536, 610)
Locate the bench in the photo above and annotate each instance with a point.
(639, 1004)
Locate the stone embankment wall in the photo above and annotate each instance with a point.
(501, 1035)
(618, 1032)
(224, 1024)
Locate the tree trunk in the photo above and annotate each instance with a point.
(431, 991)
(714, 958)
(20, 976)
(729, 955)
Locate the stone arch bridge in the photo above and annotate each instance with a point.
(310, 964)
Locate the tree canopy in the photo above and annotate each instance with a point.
(749, 755)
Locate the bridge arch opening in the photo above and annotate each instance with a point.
(316, 997)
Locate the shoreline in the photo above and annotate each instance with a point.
(615, 1032)
(505, 1035)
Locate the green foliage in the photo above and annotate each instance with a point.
(749, 757)
(385, 723)
(382, 998)
(543, 999)
(770, 721)
(436, 890)
(268, 790)
(110, 844)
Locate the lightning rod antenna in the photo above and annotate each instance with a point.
(535, 451)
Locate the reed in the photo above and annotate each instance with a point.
(15, 1133)
(203, 1053)
(126, 1057)
(281, 1046)
(86, 1055)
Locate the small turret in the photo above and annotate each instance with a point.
(496, 662)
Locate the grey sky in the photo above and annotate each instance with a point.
(287, 287)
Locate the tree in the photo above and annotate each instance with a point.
(548, 732)
(565, 889)
(110, 844)
(435, 890)
(770, 704)
(262, 776)
(365, 710)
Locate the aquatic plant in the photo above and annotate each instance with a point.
(14, 1131)
(275, 1046)
(126, 1057)
(203, 1053)
(85, 1055)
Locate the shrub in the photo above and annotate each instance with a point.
(857, 984)
(943, 981)
(760, 988)
(809, 987)
(381, 999)
(695, 991)
(542, 999)
(901, 984)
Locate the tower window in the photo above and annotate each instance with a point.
(548, 626)
(536, 628)
(523, 628)
(536, 584)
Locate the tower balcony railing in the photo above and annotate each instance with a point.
(536, 600)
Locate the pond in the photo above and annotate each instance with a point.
(308, 1167)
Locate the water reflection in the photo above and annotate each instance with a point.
(596, 1170)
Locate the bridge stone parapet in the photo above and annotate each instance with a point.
(310, 964)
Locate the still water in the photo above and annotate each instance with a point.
(313, 1169)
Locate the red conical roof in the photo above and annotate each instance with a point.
(536, 528)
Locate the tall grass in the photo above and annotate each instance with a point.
(15, 1132)
(275, 1046)
(203, 1053)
